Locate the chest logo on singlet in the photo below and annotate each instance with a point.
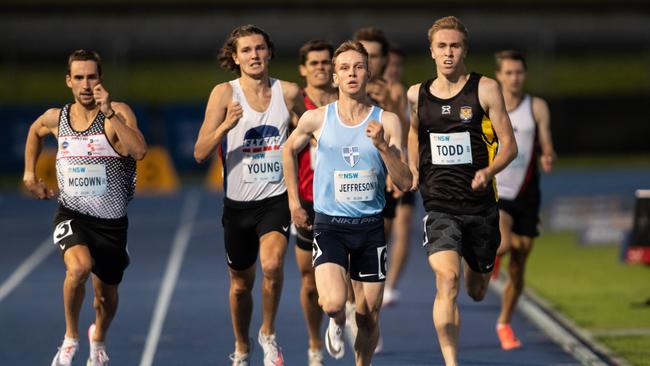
(350, 155)
(446, 109)
(466, 114)
(262, 155)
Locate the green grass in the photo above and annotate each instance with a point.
(635, 348)
(603, 161)
(174, 81)
(589, 285)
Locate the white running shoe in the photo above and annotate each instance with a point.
(350, 323)
(272, 352)
(66, 353)
(98, 356)
(239, 359)
(315, 358)
(334, 340)
(391, 297)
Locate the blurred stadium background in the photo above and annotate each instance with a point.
(589, 59)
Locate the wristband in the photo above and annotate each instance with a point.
(111, 115)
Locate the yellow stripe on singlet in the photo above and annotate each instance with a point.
(491, 144)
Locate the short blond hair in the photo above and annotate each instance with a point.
(449, 22)
(351, 46)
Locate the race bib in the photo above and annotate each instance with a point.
(84, 180)
(263, 166)
(450, 148)
(355, 185)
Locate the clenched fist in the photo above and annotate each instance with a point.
(375, 131)
(233, 114)
(38, 188)
(102, 98)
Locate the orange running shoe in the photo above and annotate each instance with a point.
(507, 337)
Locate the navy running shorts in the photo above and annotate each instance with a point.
(357, 244)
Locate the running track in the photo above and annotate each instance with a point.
(174, 304)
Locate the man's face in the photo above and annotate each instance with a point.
(448, 50)
(252, 55)
(83, 77)
(351, 72)
(395, 67)
(512, 75)
(376, 60)
(317, 69)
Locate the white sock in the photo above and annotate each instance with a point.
(68, 340)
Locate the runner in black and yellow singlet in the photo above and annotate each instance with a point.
(456, 138)
(455, 121)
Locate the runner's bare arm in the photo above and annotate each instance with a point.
(491, 100)
(398, 94)
(542, 116)
(45, 124)
(387, 138)
(310, 122)
(413, 141)
(294, 100)
(121, 125)
(221, 115)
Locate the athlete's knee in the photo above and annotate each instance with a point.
(78, 271)
(332, 305)
(105, 303)
(272, 267)
(240, 288)
(309, 285)
(368, 321)
(477, 290)
(447, 284)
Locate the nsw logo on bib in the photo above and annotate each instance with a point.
(265, 166)
(84, 180)
(450, 148)
(355, 185)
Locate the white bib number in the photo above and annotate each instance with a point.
(263, 166)
(355, 185)
(84, 180)
(450, 148)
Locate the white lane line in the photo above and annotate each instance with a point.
(25, 268)
(181, 241)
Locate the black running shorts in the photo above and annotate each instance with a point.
(475, 237)
(357, 244)
(105, 239)
(525, 214)
(244, 223)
